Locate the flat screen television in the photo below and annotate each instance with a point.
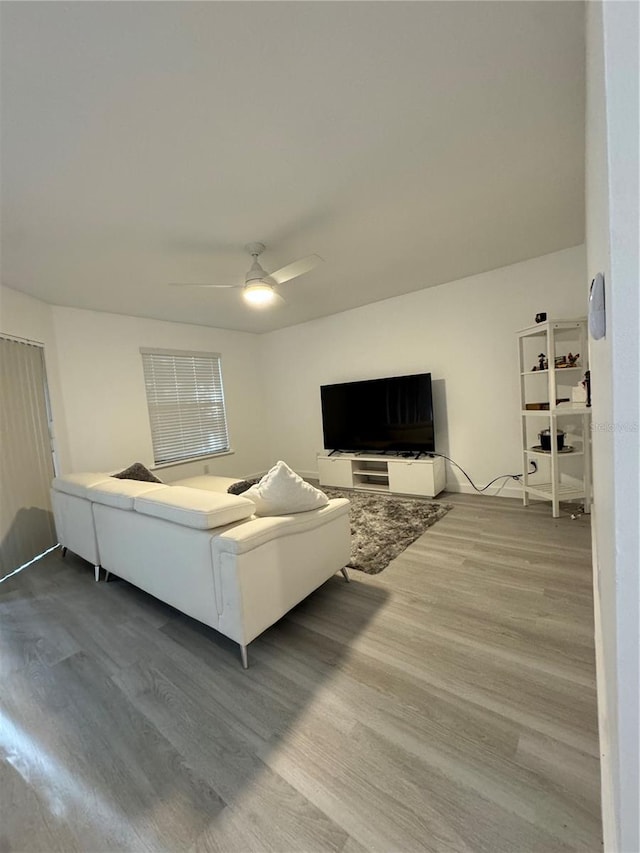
(379, 414)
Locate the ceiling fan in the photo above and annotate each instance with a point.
(258, 288)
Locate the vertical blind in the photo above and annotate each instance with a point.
(26, 461)
(186, 404)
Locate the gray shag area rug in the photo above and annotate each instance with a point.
(382, 526)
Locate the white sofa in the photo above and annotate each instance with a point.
(202, 550)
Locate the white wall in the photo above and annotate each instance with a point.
(462, 332)
(104, 397)
(21, 316)
(612, 248)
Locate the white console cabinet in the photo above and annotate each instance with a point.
(393, 474)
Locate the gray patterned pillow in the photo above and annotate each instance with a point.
(242, 486)
(137, 471)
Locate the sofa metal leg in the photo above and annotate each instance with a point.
(64, 551)
(245, 659)
(106, 575)
(346, 574)
(97, 571)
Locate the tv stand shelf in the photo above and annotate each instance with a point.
(397, 475)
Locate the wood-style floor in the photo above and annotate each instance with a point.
(447, 704)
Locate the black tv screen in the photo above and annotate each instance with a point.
(379, 414)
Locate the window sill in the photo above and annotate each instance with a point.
(191, 459)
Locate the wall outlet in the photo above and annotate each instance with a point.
(206, 469)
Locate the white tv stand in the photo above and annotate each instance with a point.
(397, 475)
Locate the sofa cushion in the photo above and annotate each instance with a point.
(207, 482)
(121, 493)
(137, 471)
(77, 484)
(282, 492)
(194, 507)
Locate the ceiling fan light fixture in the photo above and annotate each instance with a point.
(258, 288)
(258, 293)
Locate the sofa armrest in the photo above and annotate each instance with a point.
(265, 566)
(244, 537)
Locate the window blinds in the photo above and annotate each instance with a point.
(186, 404)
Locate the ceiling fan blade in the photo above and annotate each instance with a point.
(195, 284)
(296, 268)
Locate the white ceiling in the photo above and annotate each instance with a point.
(409, 144)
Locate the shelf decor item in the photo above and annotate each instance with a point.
(545, 439)
(564, 480)
(544, 407)
(579, 393)
(587, 385)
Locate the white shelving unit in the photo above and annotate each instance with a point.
(392, 474)
(569, 472)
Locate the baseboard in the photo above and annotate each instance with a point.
(497, 491)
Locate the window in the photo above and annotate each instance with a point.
(186, 404)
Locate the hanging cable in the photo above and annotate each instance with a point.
(516, 477)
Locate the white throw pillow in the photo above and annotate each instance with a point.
(282, 492)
